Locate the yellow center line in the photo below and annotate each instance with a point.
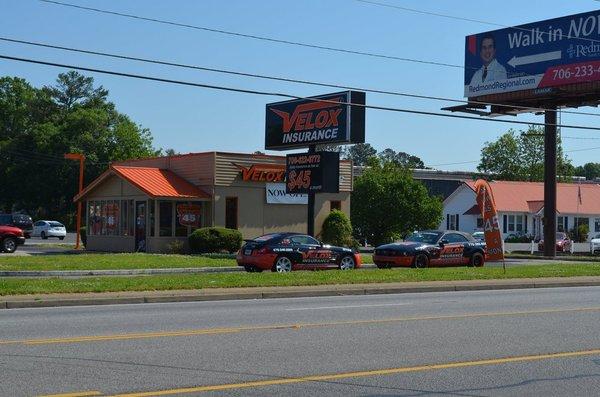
(75, 394)
(215, 331)
(359, 374)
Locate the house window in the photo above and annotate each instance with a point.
(519, 223)
(480, 223)
(560, 224)
(511, 223)
(165, 213)
(151, 216)
(335, 205)
(231, 212)
(452, 222)
(597, 225)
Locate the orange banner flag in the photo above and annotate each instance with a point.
(491, 228)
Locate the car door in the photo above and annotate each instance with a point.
(36, 229)
(453, 250)
(311, 251)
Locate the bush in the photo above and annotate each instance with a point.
(176, 247)
(83, 234)
(513, 238)
(337, 229)
(581, 234)
(215, 239)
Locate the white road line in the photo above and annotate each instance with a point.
(347, 307)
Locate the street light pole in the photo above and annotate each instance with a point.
(81, 159)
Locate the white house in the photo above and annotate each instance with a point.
(520, 207)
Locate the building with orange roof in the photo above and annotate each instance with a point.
(520, 207)
(146, 204)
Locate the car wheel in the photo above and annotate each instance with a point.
(477, 259)
(421, 261)
(347, 263)
(249, 269)
(43, 236)
(61, 238)
(9, 245)
(283, 264)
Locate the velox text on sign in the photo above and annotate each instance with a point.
(491, 228)
(276, 194)
(536, 56)
(324, 119)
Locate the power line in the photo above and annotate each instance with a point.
(251, 36)
(437, 14)
(275, 78)
(283, 95)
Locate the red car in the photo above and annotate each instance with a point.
(563, 243)
(10, 238)
(284, 252)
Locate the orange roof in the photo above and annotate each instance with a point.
(154, 182)
(512, 196)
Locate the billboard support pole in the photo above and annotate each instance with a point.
(550, 183)
(310, 221)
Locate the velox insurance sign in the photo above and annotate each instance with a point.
(538, 55)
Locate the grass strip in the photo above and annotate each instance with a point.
(18, 286)
(117, 261)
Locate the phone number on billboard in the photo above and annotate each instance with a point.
(575, 72)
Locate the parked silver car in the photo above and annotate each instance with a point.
(45, 229)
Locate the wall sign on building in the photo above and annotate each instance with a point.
(262, 172)
(189, 214)
(313, 172)
(304, 122)
(276, 194)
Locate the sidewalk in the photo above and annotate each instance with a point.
(108, 298)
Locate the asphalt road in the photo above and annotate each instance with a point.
(479, 343)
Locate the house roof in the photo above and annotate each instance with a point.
(154, 182)
(572, 198)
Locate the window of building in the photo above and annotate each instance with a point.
(581, 221)
(511, 223)
(480, 223)
(335, 205)
(452, 222)
(231, 212)
(110, 217)
(519, 223)
(151, 216)
(165, 214)
(560, 224)
(597, 225)
(188, 217)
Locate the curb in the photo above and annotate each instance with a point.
(203, 295)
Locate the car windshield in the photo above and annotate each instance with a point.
(424, 237)
(56, 224)
(561, 236)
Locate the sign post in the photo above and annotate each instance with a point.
(550, 183)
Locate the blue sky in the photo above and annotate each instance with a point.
(192, 119)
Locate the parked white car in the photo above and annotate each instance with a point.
(595, 244)
(45, 229)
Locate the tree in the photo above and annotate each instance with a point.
(359, 153)
(337, 229)
(39, 125)
(388, 204)
(591, 171)
(401, 158)
(521, 157)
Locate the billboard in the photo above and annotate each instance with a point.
(535, 56)
(304, 122)
(317, 172)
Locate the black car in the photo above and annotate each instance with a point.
(284, 252)
(431, 248)
(22, 221)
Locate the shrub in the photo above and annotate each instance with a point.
(215, 239)
(83, 234)
(513, 238)
(582, 233)
(337, 229)
(176, 247)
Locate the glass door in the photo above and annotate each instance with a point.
(140, 226)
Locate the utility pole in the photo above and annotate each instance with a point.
(550, 182)
(311, 203)
(81, 159)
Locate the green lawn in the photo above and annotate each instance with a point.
(116, 261)
(109, 261)
(16, 286)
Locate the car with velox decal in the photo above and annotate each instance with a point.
(284, 252)
(431, 248)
